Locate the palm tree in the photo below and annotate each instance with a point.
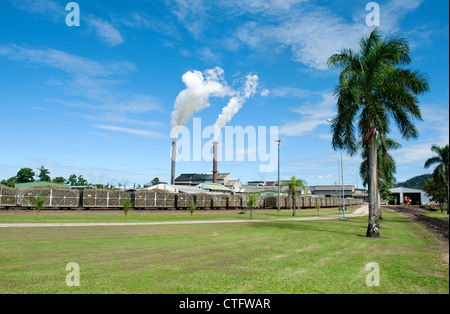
(441, 172)
(386, 168)
(293, 185)
(374, 87)
(252, 202)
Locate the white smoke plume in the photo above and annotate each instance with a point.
(199, 88)
(235, 104)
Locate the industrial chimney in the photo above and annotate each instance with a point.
(174, 158)
(215, 173)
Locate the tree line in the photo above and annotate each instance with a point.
(27, 175)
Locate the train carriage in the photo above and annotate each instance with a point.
(184, 199)
(152, 199)
(219, 202)
(234, 202)
(204, 201)
(8, 196)
(55, 198)
(100, 198)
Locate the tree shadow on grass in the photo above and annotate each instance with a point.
(307, 226)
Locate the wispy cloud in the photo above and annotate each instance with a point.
(104, 30)
(143, 133)
(119, 118)
(98, 81)
(56, 12)
(313, 33)
(313, 113)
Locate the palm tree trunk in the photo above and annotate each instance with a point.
(372, 229)
(293, 214)
(379, 213)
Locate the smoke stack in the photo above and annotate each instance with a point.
(215, 163)
(174, 158)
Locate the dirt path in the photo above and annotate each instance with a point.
(362, 211)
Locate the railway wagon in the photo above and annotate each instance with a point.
(55, 198)
(219, 202)
(101, 198)
(261, 201)
(204, 201)
(152, 199)
(235, 202)
(183, 200)
(8, 196)
(272, 202)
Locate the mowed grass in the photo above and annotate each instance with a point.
(118, 216)
(292, 257)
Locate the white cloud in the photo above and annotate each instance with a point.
(105, 30)
(312, 114)
(143, 133)
(56, 12)
(260, 6)
(314, 33)
(91, 79)
(312, 36)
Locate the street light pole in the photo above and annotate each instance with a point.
(279, 187)
(342, 180)
(343, 193)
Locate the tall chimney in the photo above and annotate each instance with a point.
(215, 163)
(174, 158)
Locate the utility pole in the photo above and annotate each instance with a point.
(279, 187)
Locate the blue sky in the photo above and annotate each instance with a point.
(96, 100)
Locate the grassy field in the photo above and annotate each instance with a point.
(293, 257)
(118, 216)
(436, 214)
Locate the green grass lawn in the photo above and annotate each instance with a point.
(437, 214)
(287, 257)
(19, 216)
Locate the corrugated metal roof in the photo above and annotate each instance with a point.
(215, 187)
(405, 190)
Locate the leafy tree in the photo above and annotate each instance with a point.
(435, 187)
(72, 180)
(127, 204)
(77, 181)
(44, 174)
(38, 204)
(416, 182)
(373, 89)
(192, 207)
(59, 180)
(155, 181)
(441, 172)
(81, 181)
(11, 182)
(25, 175)
(293, 185)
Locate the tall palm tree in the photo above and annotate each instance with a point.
(293, 186)
(375, 88)
(386, 168)
(442, 169)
